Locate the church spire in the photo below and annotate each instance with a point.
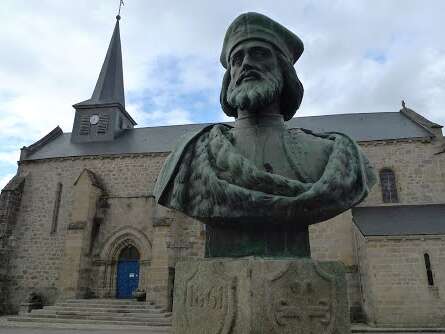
(110, 84)
(103, 117)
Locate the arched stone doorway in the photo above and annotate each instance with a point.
(127, 272)
(120, 244)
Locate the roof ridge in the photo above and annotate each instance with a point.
(363, 128)
(25, 151)
(418, 118)
(229, 122)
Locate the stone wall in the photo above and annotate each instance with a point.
(75, 277)
(10, 198)
(37, 259)
(176, 237)
(420, 176)
(123, 220)
(396, 283)
(4, 257)
(127, 211)
(364, 281)
(419, 171)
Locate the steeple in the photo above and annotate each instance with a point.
(110, 84)
(103, 117)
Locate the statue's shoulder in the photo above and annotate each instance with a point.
(309, 151)
(309, 140)
(173, 160)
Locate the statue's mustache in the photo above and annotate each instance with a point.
(255, 74)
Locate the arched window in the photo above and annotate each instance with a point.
(129, 253)
(429, 272)
(389, 186)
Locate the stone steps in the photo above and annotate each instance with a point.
(99, 312)
(118, 323)
(108, 302)
(99, 305)
(98, 320)
(105, 309)
(98, 315)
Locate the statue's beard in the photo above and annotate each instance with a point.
(255, 94)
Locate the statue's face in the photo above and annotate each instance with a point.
(252, 57)
(255, 75)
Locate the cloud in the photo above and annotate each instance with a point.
(179, 89)
(9, 157)
(175, 116)
(359, 57)
(161, 116)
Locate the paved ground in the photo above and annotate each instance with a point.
(64, 329)
(24, 330)
(8, 328)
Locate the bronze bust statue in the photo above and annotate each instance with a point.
(258, 185)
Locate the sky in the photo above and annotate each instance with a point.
(360, 56)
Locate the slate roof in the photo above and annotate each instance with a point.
(360, 126)
(400, 220)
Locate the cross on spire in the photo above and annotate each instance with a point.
(121, 3)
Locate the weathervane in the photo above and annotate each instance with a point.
(121, 3)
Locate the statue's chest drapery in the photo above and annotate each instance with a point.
(265, 148)
(212, 179)
(274, 149)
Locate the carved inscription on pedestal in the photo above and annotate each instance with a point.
(213, 297)
(302, 300)
(207, 302)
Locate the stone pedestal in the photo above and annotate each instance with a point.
(261, 296)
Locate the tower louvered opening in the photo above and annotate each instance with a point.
(84, 125)
(102, 126)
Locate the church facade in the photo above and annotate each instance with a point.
(79, 219)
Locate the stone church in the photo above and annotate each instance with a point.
(79, 220)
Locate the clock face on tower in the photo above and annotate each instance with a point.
(94, 119)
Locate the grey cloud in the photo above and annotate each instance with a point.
(52, 51)
(62, 44)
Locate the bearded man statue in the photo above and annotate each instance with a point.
(258, 185)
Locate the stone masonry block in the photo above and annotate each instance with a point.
(261, 296)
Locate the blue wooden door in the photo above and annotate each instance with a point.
(127, 278)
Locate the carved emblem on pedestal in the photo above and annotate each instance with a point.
(209, 302)
(302, 300)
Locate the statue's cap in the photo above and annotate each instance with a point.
(252, 25)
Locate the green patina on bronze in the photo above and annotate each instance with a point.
(257, 185)
(258, 239)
